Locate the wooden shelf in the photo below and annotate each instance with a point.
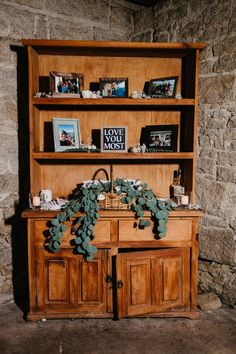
(113, 101)
(111, 156)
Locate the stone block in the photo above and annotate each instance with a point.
(9, 183)
(8, 81)
(101, 34)
(206, 165)
(16, 22)
(226, 46)
(209, 301)
(206, 66)
(216, 244)
(212, 195)
(69, 30)
(8, 144)
(81, 12)
(7, 55)
(225, 63)
(143, 20)
(216, 89)
(218, 278)
(121, 20)
(226, 158)
(208, 153)
(32, 3)
(226, 174)
(209, 221)
(143, 37)
(8, 109)
(41, 27)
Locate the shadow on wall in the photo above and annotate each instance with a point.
(19, 227)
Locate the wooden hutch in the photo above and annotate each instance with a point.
(132, 273)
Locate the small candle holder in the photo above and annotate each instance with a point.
(34, 202)
(184, 200)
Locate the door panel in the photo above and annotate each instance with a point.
(66, 282)
(153, 281)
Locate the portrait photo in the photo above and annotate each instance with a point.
(66, 134)
(114, 87)
(66, 84)
(163, 87)
(161, 137)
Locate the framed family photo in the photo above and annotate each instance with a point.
(161, 138)
(163, 87)
(66, 84)
(114, 87)
(66, 134)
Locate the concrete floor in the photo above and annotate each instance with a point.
(214, 333)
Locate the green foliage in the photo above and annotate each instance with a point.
(85, 201)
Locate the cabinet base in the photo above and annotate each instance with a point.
(193, 315)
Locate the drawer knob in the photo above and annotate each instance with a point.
(119, 284)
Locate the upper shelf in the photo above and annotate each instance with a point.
(113, 101)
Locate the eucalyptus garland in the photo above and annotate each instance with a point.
(85, 200)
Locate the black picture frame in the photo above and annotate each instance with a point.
(163, 87)
(161, 138)
(114, 139)
(114, 87)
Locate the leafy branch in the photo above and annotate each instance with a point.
(85, 201)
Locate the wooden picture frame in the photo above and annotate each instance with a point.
(66, 134)
(161, 138)
(65, 84)
(114, 139)
(114, 87)
(163, 87)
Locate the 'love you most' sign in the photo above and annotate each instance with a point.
(113, 139)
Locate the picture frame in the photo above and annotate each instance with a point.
(161, 138)
(114, 87)
(65, 84)
(163, 87)
(66, 133)
(114, 139)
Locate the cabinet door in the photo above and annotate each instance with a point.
(67, 283)
(152, 281)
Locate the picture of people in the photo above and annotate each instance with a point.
(163, 88)
(65, 83)
(113, 87)
(161, 137)
(66, 133)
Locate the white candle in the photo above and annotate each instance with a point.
(36, 200)
(184, 199)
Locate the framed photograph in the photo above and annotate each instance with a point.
(163, 87)
(114, 87)
(161, 138)
(114, 139)
(66, 134)
(66, 84)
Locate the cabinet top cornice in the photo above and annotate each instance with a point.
(37, 43)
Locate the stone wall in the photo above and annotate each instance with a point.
(49, 19)
(212, 22)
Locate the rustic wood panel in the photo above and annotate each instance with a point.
(57, 280)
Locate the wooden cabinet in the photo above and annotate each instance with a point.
(132, 274)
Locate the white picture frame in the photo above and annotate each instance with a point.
(66, 133)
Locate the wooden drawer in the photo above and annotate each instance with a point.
(102, 231)
(177, 230)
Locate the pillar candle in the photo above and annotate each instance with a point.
(36, 200)
(184, 199)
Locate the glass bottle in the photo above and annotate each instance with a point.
(177, 189)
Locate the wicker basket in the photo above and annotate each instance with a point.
(112, 201)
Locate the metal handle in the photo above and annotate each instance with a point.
(120, 284)
(108, 278)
